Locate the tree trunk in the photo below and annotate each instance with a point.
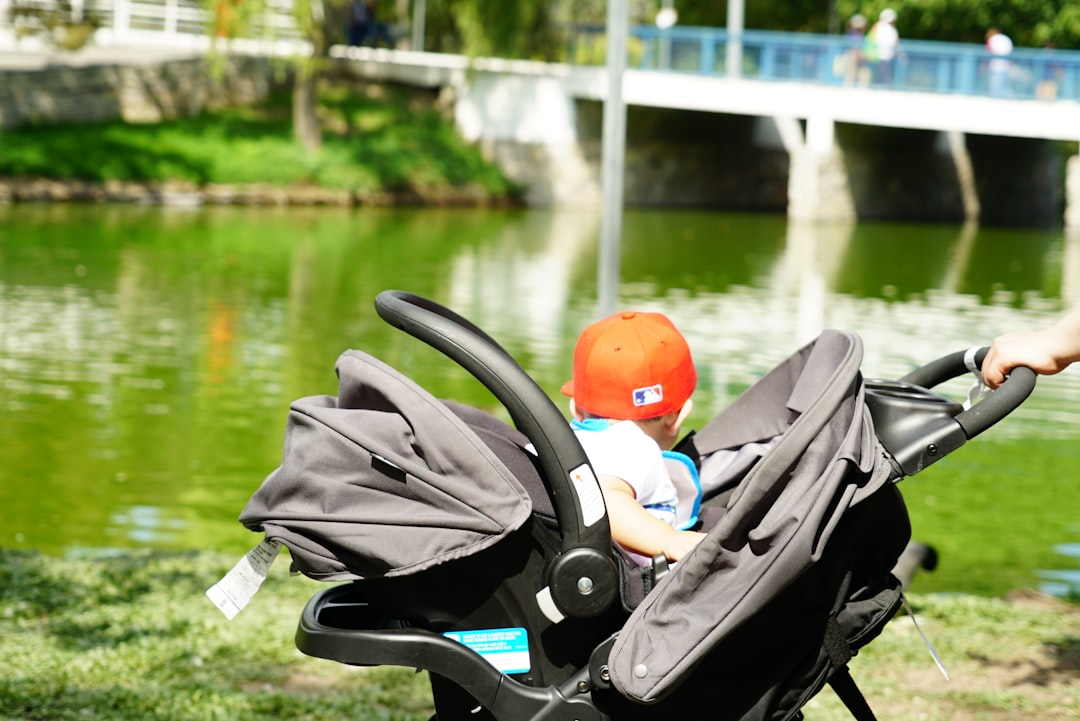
(306, 130)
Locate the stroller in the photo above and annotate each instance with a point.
(481, 553)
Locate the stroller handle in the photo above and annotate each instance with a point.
(1003, 401)
(583, 578)
(918, 426)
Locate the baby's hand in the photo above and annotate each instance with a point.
(680, 543)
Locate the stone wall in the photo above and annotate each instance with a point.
(674, 159)
(135, 93)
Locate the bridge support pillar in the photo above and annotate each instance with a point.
(529, 128)
(953, 143)
(818, 185)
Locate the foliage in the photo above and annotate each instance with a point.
(60, 24)
(385, 141)
(794, 15)
(493, 28)
(1030, 23)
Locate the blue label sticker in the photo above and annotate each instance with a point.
(507, 649)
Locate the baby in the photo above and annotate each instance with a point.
(630, 394)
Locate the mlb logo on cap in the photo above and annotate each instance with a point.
(649, 395)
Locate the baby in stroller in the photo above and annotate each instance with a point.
(633, 376)
(482, 552)
(630, 394)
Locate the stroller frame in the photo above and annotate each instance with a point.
(561, 583)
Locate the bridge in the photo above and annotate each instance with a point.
(803, 92)
(802, 106)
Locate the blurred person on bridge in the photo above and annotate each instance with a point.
(882, 47)
(999, 45)
(364, 26)
(380, 31)
(360, 19)
(1049, 74)
(854, 65)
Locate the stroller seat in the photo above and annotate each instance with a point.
(481, 552)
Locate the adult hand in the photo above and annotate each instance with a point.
(1046, 351)
(1035, 349)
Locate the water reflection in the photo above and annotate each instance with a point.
(145, 525)
(148, 355)
(1063, 583)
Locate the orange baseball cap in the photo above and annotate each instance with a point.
(631, 366)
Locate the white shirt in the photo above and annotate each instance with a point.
(621, 449)
(999, 45)
(887, 39)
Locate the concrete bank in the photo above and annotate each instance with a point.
(41, 190)
(100, 84)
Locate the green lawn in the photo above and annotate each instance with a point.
(133, 637)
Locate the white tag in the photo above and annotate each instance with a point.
(589, 495)
(978, 390)
(237, 587)
(925, 638)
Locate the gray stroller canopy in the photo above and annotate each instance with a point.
(778, 522)
(382, 480)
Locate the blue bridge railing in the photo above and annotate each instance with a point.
(922, 65)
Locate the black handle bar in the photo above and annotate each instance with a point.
(918, 426)
(1003, 401)
(584, 578)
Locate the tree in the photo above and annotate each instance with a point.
(229, 19)
(311, 20)
(495, 28)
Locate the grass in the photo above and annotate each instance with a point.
(133, 636)
(376, 139)
(1006, 658)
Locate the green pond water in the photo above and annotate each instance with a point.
(148, 355)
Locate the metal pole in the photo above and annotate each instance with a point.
(667, 7)
(418, 17)
(613, 156)
(121, 20)
(735, 23)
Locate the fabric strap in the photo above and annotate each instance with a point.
(844, 686)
